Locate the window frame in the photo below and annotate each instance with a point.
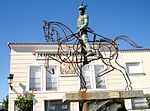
(139, 101)
(57, 103)
(139, 66)
(94, 74)
(41, 76)
(57, 75)
(92, 77)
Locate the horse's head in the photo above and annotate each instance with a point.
(56, 32)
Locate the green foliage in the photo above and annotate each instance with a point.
(147, 96)
(5, 103)
(24, 102)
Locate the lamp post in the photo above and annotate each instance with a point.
(10, 78)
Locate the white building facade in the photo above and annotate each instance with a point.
(27, 64)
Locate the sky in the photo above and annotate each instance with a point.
(22, 20)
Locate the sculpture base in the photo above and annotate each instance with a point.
(102, 95)
(111, 100)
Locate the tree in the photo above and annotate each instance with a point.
(25, 101)
(147, 96)
(5, 103)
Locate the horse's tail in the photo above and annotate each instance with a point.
(126, 38)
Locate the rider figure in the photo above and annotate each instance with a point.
(82, 25)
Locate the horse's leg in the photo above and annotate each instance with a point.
(82, 80)
(78, 69)
(115, 57)
(106, 70)
(106, 62)
(126, 76)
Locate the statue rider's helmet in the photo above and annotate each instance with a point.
(81, 7)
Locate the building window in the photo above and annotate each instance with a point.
(134, 68)
(51, 77)
(57, 106)
(99, 80)
(35, 78)
(87, 76)
(74, 106)
(91, 75)
(139, 103)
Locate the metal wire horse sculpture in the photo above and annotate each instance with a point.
(74, 52)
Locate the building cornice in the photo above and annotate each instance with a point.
(136, 50)
(10, 44)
